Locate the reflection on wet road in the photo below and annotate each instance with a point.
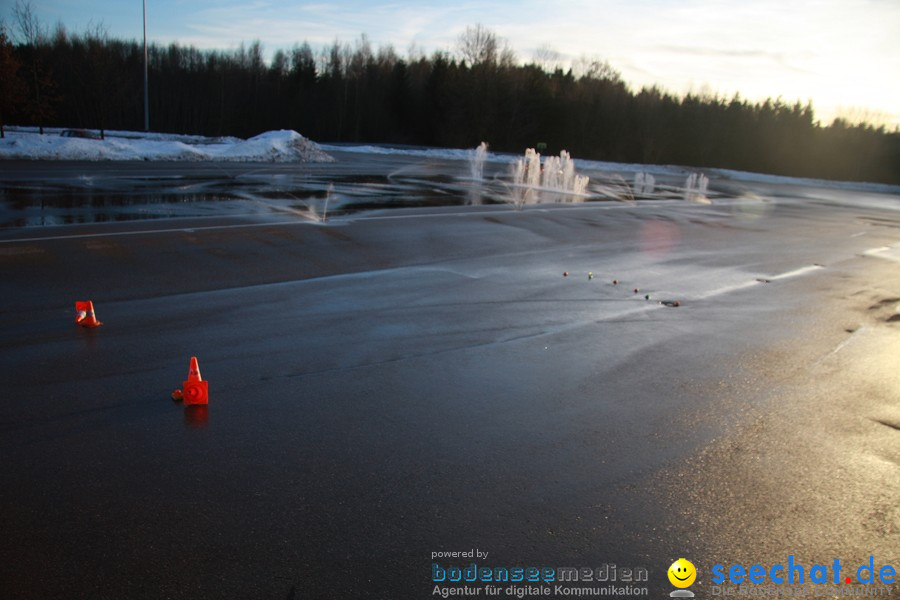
(84, 192)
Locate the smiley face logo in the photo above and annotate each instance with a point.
(682, 573)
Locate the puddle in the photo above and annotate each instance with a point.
(30, 207)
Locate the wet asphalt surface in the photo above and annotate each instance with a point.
(391, 384)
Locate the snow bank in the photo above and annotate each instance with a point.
(438, 153)
(272, 146)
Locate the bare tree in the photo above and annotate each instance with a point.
(547, 58)
(100, 78)
(12, 89)
(595, 68)
(30, 29)
(32, 35)
(479, 45)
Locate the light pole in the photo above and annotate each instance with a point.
(146, 85)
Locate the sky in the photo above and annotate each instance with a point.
(843, 55)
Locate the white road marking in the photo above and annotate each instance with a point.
(796, 272)
(887, 252)
(761, 280)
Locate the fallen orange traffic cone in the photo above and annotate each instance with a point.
(196, 391)
(84, 314)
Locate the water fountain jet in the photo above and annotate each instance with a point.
(556, 174)
(695, 188)
(644, 184)
(476, 161)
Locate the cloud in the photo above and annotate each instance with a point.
(722, 52)
(286, 23)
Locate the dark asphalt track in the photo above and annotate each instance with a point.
(406, 382)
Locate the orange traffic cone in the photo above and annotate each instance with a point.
(84, 314)
(196, 391)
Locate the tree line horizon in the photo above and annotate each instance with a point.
(361, 94)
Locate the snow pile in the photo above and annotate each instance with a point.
(272, 146)
(275, 146)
